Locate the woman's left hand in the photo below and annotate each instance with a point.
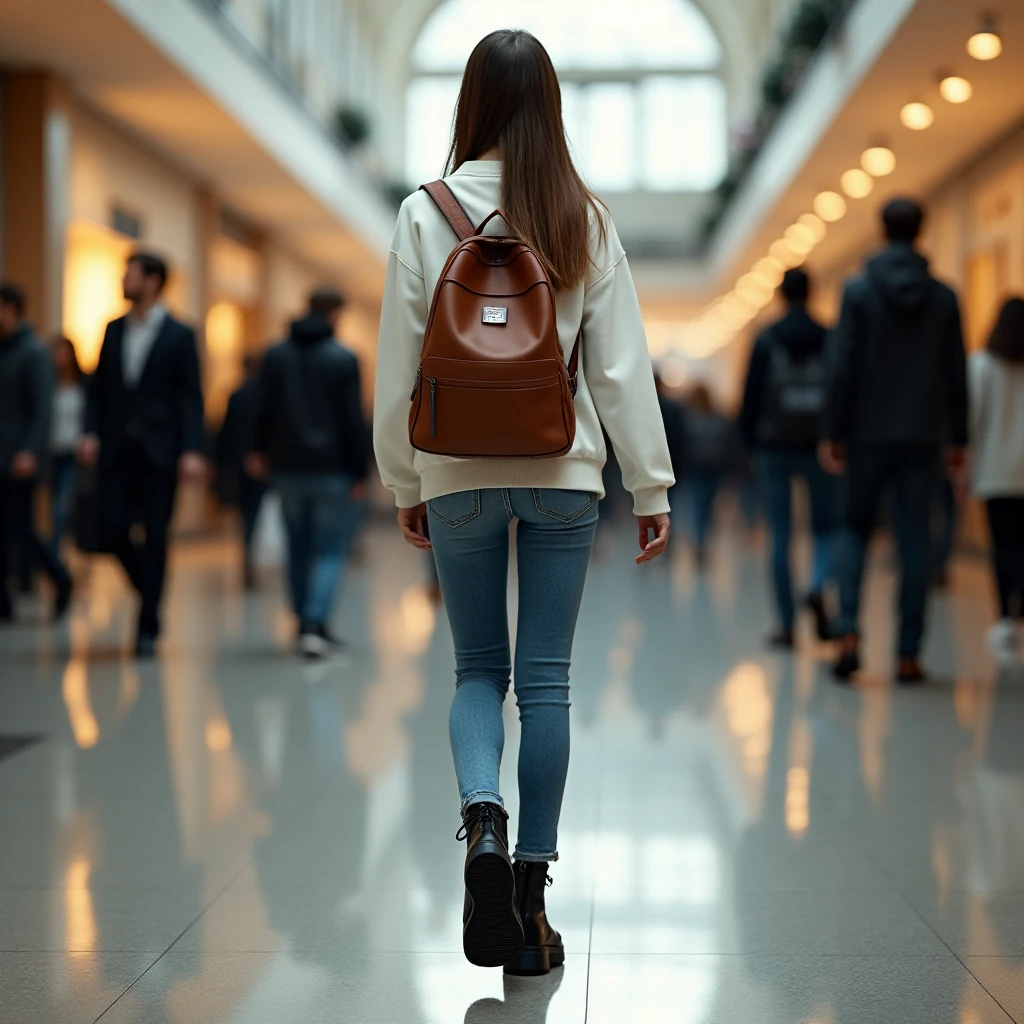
(415, 527)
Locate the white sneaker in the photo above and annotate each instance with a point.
(1004, 637)
(320, 644)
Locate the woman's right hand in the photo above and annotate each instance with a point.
(659, 525)
(415, 527)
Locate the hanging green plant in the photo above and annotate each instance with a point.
(352, 125)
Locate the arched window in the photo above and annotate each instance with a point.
(642, 99)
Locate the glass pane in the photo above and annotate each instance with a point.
(684, 132)
(610, 147)
(430, 107)
(577, 33)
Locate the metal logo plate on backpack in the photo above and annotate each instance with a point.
(495, 315)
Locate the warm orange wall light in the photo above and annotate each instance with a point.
(93, 269)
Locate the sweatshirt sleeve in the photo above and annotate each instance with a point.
(403, 323)
(617, 371)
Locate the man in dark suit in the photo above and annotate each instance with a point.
(144, 430)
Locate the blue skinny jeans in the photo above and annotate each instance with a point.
(318, 516)
(555, 534)
(780, 468)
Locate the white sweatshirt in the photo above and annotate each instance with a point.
(997, 426)
(616, 382)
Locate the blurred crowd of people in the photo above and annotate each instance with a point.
(112, 448)
(880, 407)
(884, 403)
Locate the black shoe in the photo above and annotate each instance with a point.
(145, 647)
(816, 605)
(542, 945)
(848, 661)
(911, 672)
(492, 933)
(63, 600)
(783, 639)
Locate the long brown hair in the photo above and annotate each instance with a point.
(511, 99)
(1007, 340)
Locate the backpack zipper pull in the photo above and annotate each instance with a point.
(433, 405)
(416, 386)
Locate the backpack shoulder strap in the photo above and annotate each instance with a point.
(574, 365)
(445, 200)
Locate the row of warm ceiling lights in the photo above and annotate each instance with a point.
(755, 289)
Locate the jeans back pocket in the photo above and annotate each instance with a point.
(455, 510)
(565, 506)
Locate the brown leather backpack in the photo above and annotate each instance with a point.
(492, 382)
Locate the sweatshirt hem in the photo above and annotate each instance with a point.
(479, 474)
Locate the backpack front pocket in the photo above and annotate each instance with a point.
(470, 409)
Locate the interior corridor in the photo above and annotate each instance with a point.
(232, 836)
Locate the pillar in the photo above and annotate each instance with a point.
(35, 146)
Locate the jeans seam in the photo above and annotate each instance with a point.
(506, 497)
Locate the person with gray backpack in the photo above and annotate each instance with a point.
(783, 400)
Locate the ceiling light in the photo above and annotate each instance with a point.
(878, 161)
(986, 43)
(770, 269)
(955, 89)
(814, 224)
(917, 116)
(754, 287)
(800, 239)
(830, 206)
(857, 183)
(782, 252)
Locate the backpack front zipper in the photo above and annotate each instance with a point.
(433, 405)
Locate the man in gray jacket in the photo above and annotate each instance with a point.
(26, 388)
(898, 395)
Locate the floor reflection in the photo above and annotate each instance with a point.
(248, 838)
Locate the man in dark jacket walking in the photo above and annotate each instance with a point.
(311, 436)
(898, 394)
(781, 420)
(144, 430)
(236, 486)
(26, 393)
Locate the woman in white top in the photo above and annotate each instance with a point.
(510, 151)
(66, 430)
(997, 471)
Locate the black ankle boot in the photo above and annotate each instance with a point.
(492, 933)
(542, 946)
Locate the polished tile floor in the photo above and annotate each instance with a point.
(230, 835)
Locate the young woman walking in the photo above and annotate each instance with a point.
(68, 425)
(996, 376)
(509, 152)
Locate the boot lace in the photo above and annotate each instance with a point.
(476, 813)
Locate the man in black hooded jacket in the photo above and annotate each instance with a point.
(311, 435)
(897, 395)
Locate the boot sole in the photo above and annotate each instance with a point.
(493, 935)
(537, 960)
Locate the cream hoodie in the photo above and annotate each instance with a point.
(616, 383)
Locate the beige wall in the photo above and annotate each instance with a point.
(108, 169)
